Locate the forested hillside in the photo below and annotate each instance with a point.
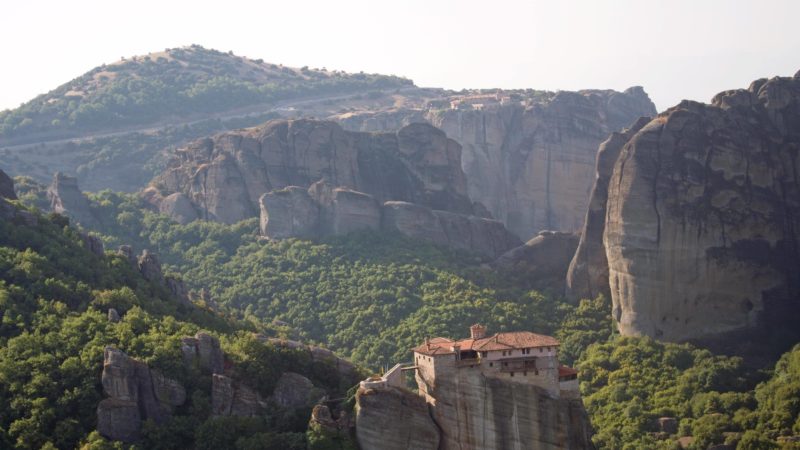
(180, 82)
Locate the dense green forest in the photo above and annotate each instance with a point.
(176, 82)
(54, 295)
(371, 296)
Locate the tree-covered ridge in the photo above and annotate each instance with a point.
(54, 298)
(175, 82)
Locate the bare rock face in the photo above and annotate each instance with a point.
(701, 221)
(150, 267)
(394, 419)
(587, 276)
(7, 187)
(484, 236)
(179, 208)
(209, 353)
(231, 398)
(474, 412)
(325, 211)
(67, 199)
(135, 393)
(295, 391)
(545, 258)
(289, 212)
(529, 158)
(225, 176)
(93, 244)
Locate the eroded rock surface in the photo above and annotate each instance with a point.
(7, 187)
(701, 221)
(67, 199)
(545, 259)
(135, 393)
(529, 157)
(394, 419)
(225, 176)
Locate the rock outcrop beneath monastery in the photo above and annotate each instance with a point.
(394, 419)
(587, 276)
(223, 177)
(7, 187)
(324, 211)
(544, 259)
(67, 199)
(528, 157)
(135, 393)
(703, 215)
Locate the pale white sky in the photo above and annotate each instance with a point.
(675, 49)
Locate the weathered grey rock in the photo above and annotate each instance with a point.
(702, 218)
(587, 276)
(135, 393)
(225, 176)
(529, 157)
(178, 207)
(394, 419)
(189, 350)
(353, 211)
(67, 199)
(113, 315)
(209, 353)
(150, 267)
(7, 187)
(484, 236)
(289, 212)
(119, 420)
(545, 259)
(229, 398)
(474, 412)
(294, 391)
(93, 244)
(178, 289)
(345, 368)
(167, 391)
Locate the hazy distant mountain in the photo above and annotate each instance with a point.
(190, 81)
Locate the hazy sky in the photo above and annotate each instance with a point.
(675, 49)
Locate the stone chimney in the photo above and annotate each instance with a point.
(477, 331)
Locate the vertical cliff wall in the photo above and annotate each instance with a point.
(702, 217)
(530, 157)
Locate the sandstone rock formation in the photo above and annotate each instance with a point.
(230, 398)
(394, 419)
(528, 156)
(345, 368)
(484, 236)
(150, 267)
(179, 207)
(225, 176)
(544, 259)
(295, 391)
(7, 187)
(322, 211)
(587, 276)
(204, 350)
(93, 244)
(135, 393)
(701, 221)
(67, 199)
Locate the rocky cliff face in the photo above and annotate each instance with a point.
(7, 187)
(394, 419)
(543, 259)
(701, 219)
(67, 199)
(223, 177)
(529, 158)
(324, 211)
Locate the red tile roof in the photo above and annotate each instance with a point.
(500, 341)
(564, 371)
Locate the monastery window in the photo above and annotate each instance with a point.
(541, 349)
(536, 372)
(505, 364)
(525, 374)
(491, 364)
(512, 374)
